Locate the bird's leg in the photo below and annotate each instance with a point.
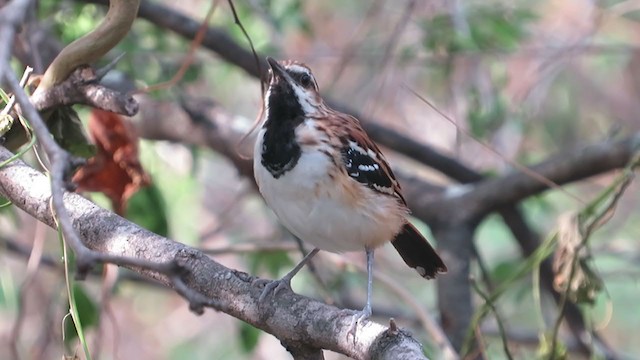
(365, 313)
(285, 282)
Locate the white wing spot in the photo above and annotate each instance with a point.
(354, 145)
(373, 167)
(421, 271)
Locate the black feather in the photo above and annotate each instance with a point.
(418, 253)
(366, 170)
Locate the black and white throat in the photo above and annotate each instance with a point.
(280, 151)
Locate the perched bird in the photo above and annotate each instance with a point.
(327, 182)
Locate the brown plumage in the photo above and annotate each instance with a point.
(327, 181)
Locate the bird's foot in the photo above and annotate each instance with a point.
(272, 286)
(358, 318)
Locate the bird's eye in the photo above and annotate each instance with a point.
(305, 80)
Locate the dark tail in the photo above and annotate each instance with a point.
(418, 253)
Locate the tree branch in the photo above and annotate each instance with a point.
(563, 168)
(83, 87)
(209, 125)
(94, 45)
(290, 317)
(221, 43)
(218, 41)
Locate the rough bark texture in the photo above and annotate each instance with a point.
(290, 317)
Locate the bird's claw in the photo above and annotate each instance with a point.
(357, 318)
(272, 286)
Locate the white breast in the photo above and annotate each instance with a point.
(311, 206)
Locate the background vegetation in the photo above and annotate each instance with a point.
(506, 83)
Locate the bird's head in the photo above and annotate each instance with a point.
(291, 83)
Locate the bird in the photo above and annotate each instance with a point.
(328, 182)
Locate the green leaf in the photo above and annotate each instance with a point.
(148, 209)
(249, 337)
(68, 131)
(504, 270)
(9, 292)
(4, 96)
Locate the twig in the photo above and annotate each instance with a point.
(586, 232)
(188, 59)
(382, 72)
(92, 46)
(109, 280)
(83, 87)
(489, 302)
(290, 317)
(246, 35)
(35, 258)
(12, 99)
(60, 161)
(11, 16)
(515, 164)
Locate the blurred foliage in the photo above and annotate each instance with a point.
(288, 15)
(485, 119)
(558, 114)
(273, 262)
(490, 27)
(8, 291)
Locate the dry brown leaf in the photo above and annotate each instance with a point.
(115, 170)
(582, 283)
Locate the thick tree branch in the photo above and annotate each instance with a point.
(60, 164)
(491, 194)
(454, 294)
(290, 317)
(86, 258)
(218, 41)
(211, 126)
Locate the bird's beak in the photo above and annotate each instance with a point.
(277, 69)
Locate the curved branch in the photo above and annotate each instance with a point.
(94, 45)
(290, 317)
